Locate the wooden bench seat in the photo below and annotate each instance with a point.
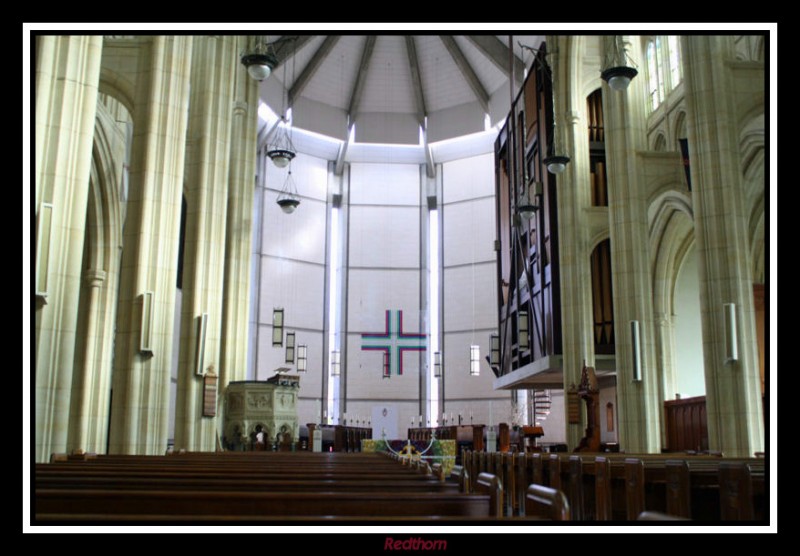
(63, 503)
(284, 484)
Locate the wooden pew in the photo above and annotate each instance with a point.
(738, 496)
(546, 502)
(617, 487)
(460, 475)
(84, 504)
(139, 488)
(603, 492)
(490, 485)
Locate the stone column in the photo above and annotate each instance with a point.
(573, 198)
(239, 234)
(733, 392)
(214, 71)
(140, 402)
(83, 417)
(67, 76)
(665, 361)
(665, 354)
(639, 414)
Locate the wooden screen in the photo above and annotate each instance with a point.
(686, 424)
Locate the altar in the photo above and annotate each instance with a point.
(270, 404)
(431, 450)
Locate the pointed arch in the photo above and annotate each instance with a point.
(752, 153)
(660, 142)
(91, 387)
(671, 238)
(679, 130)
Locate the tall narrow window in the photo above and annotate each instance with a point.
(663, 55)
(334, 300)
(673, 44)
(474, 360)
(653, 82)
(433, 307)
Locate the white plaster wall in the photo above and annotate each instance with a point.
(554, 426)
(608, 395)
(469, 282)
(384, 237)
(469, 231)
(384, 184)
(470, 300)
(468, 178)
(688, 331)
(384, 274)
(292, 274)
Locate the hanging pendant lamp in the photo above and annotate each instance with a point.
(617, 73)
(288, 199)
(282, 150)
(260, 61)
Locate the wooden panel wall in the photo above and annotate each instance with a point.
(686, 424)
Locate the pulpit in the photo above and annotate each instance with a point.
(271, 403)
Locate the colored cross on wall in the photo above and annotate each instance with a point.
(393, 341)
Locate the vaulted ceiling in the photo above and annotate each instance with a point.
(389, 84)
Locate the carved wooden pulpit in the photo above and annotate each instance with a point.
(589, 392)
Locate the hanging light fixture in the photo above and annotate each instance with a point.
(556, 163)
(528, 207)
(617, 73)
(282, 151)
(288, 199)
(260, 61)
